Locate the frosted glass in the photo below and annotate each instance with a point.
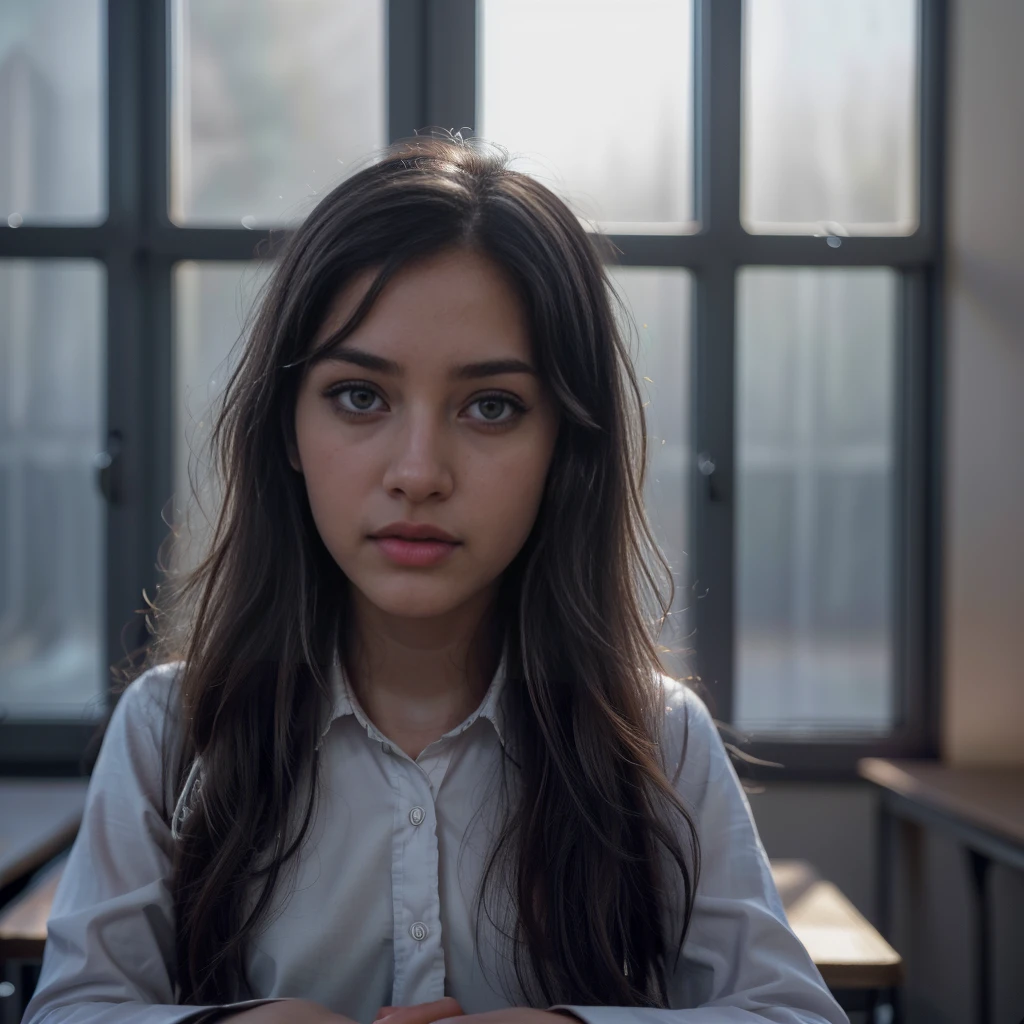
(658, 304)
(273, 101)
(212, 302)
(52, 393)
(816, 358)
(596, 98)
(53, 93)
(829, 117)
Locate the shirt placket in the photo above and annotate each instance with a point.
(419, 970)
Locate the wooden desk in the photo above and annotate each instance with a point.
(843, 944)
(23, 920)
(981, 808)
(38, 819)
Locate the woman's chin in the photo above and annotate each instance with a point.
(416, 598)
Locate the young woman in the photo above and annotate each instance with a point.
(408, 750)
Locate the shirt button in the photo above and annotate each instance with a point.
(418, 930)
(416, 815)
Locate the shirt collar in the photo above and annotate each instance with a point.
(492, 707)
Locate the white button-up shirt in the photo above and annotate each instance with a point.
(380, 904)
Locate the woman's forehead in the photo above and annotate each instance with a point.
(455, 306)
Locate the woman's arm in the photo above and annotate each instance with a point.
(741, 962)
(109, 952)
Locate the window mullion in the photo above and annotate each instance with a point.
(450, 66)
(406, 63)
(718, 62)
(717, 139)
(138, 313)
(154, 281)
(931, 107)
(915, 537)
(125, 405)
(431, 60)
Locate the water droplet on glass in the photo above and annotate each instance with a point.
(834, 241)
(249, 221)
(15, 220)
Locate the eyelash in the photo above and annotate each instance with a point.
(518, 408)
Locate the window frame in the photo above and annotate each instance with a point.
(432, 81)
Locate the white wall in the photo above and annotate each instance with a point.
(983, 702)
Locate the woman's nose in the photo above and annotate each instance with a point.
(420, 467)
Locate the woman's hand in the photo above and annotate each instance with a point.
(421, 1013)
(289, 1011)
(443, 1009)
(517, 1015)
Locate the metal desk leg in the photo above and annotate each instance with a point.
(979, 869)
(884, 868)
(871, 1006)
(896, 1002)
(10, 1008)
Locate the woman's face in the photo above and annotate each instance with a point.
(429, 414)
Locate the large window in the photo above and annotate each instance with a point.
(769, 173)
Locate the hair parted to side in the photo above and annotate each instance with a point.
(596, 826)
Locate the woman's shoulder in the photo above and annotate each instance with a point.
(146, 717)
(153, 695)
(139, 741)
(684, 706)
(692, 748)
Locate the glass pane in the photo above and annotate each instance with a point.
(272, 100)
(52, 111)
(816, 364)
(830, 117)
(211, 304)
(658, 302)
(603, 113)
(52, 396)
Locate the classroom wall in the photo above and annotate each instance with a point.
(983, 719)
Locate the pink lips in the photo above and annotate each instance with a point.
(414, 544)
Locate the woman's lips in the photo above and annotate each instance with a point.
(414, 552)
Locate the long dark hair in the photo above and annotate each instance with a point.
(596, 828)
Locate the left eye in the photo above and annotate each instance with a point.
(495, 409)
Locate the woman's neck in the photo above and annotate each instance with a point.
(418, 678)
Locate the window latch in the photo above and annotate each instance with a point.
(706, 468)
(108, 469)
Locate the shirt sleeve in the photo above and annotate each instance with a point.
(109, 952)
(741, 963)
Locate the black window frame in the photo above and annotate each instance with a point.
(431, 65)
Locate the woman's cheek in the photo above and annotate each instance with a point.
(510, 501)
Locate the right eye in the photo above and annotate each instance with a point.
(356, 399)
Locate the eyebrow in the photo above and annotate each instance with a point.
(466, 371)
